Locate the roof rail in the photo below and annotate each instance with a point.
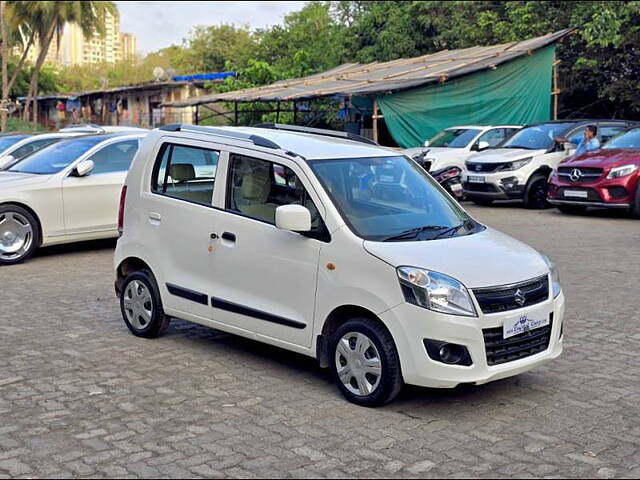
(317, 131)
(220, 132)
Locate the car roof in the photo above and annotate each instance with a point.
(101, 137)
(583, 122)
(316, 147)
(483, 127)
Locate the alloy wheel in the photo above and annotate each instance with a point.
(358, 364)
(16, 235)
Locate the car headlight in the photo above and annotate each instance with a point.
(435, 291)
(516, 164)
(623, 171)
(555, 276)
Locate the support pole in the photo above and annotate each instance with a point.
(375, 118)
(556, 90)
(278, 112)
(235, 122)
(197, 119)
(295, 113)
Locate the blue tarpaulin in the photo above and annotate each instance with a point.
(204, 76)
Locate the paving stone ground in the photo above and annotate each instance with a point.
(81, 397)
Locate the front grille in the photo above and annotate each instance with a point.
(520, 346)
(504, 298)
(480, 187)
(483, 167)
(592, 195)
(581, 174)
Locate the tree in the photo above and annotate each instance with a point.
(47, 19)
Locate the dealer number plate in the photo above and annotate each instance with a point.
(522, 324)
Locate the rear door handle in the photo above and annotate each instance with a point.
(231, 237)
(155, 218)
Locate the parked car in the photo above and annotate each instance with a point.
(518, 169)
(27, 144)
(452, 146)
(608, 178)
(449, 178)
(330, 246)
(66, 192)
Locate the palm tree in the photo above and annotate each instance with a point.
(47, 19)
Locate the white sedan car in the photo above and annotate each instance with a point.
(66, 192)
(15, 147)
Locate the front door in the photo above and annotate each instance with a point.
(264, 277)
(178, 219)
(91, 202)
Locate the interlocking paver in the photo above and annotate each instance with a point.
(80, 396)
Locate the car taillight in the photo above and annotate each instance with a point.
(123, 199)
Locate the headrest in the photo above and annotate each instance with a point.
(182, 172)
(256, 185)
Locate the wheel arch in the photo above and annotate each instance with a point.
(129, 265)
(32, 212)
(337, 317)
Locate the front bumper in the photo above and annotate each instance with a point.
(497, 186)
(616, 193)
(410, 325)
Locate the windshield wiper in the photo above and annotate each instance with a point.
(414, 232)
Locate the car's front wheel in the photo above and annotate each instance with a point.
(19, 234)
(141, 305)
(635, 207)
(364, 363)
(535, 195)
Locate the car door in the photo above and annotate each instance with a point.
(264, 278)
(91, 202)
(178, 220)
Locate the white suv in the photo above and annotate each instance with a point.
(328, 245)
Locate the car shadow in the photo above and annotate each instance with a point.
(77, 247)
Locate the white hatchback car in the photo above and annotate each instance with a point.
(322, 243)
(66, 192)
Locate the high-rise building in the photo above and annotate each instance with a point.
(75, 49)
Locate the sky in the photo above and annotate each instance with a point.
(160, 24)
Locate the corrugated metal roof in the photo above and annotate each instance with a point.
(379, 78)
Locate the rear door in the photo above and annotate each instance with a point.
(91, 202)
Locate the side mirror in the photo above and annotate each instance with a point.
(293, 217)
(483, 146)
(84, 168)
(569, 147)
(6, 161)
(426, 143)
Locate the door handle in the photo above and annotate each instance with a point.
(155, 218)
(230, 237)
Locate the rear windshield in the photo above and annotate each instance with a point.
(56, 157)
(630, 140)
(10, 141)
(454, 138)
(536, 137)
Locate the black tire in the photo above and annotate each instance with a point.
(390, 380)
(535, 194)
(18, 216)
(157, 322)
(572, 209)
(635, 207)
(483, 202)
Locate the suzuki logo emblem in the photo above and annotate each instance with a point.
(520, 298)
(575, 175)
(478, 168)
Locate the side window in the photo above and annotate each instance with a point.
(116, 157)
(24, 150)
(607, 132)
(257, 187)
(186, 173)
(493, 137)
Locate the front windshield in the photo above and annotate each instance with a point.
(56, 157)
(537, 137)
(630, 140)
(386, 197)
(10, 141)
(454, 138)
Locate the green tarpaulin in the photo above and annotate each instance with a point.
(515, 93)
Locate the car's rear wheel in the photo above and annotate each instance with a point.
(364, 363)
(484, 202)
(141, 305)
(19, 234)
(635, 207)
(572, 209)
(536, 192)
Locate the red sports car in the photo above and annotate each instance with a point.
(606, 178)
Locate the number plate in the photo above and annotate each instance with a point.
(576, 193)
(456, 187)
(475, 179)
(522, 324)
